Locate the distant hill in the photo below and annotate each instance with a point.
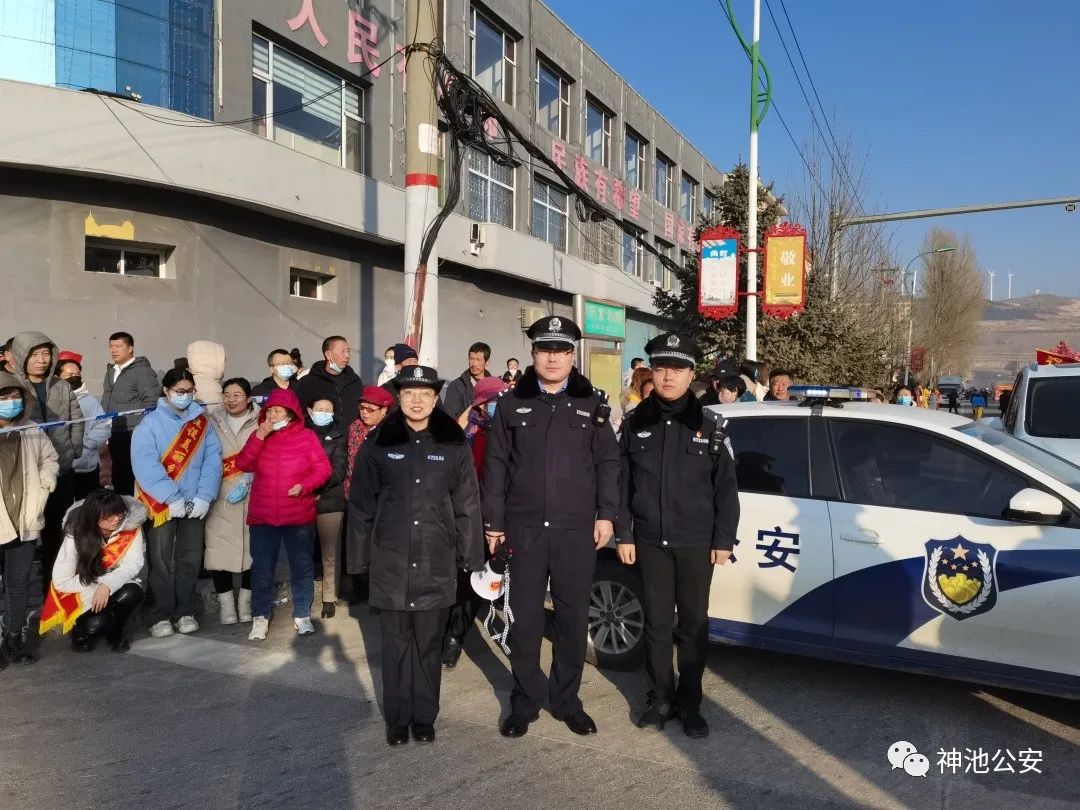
(1013, 329)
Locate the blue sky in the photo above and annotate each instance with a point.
(958, 102)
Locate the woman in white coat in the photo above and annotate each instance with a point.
(227, 548)
(100, 571)
(28, 470)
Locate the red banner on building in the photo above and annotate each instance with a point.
(784, 282)
(918, 357)
(718, 273)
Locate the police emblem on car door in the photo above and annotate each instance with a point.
(958, 577)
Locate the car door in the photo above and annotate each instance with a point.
(783, 552)
(928, 569)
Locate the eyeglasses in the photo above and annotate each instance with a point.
(365, 408)
(183, 390)
(418, 394)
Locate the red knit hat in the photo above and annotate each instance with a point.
(376, 395)
(487, 389)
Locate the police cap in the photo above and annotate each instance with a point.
(418, 377)
(671, 349)
(554, 332)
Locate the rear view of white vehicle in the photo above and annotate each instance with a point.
(1043, 409)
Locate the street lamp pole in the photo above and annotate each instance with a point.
(911, 307)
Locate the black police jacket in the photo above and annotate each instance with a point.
(547, 464)
(414, 513)
(675, 490)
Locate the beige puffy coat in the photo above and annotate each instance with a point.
(206, 362)
(227, 546)
(39, 468)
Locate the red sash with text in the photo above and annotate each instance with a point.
(229, 468)
(62, 608)
(175, 460)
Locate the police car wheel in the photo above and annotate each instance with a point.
(616, 617)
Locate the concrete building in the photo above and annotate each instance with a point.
(260, 204)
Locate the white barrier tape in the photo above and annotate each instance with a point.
(99, 418)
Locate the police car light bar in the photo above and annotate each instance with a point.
(821, 393)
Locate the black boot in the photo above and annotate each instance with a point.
(657, 713)
(15, 649)
(451, 652)
(121, 607)
(81, 641)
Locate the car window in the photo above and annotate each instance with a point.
(1009, 417)
(771, 455)
(892, 465)
(1052, 406)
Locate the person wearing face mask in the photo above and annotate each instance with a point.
(176, 457)
(404, 357)
(476, 422)
(389, 368)
(288, 469)
(96, 433)
(904, 396)
(332, 378)
(228, 547)
(330, 501)
(28, 470)
(51, 400)
(282, 374)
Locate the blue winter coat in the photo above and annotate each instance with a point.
(201, 478)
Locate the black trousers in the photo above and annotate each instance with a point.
(110, 621)
(87, 482)
(223, 581)
(464, 611)
(567, 557)
(52, 535)
(123, 478)
(411, 664)
(676, 578)
(16, 563)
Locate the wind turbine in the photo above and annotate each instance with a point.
(991, 274)
(1010, 283)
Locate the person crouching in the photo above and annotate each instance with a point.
(99, 573)
(414, 520)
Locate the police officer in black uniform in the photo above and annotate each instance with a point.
(551, 493)
(679, 509)
(414, 520)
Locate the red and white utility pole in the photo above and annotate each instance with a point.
(421, 187)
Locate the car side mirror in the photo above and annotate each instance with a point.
(1035, 506)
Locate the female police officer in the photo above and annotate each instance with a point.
(679, 509)
(414, 519)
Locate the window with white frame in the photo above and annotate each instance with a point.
(549, 213)
(633, 258)
(493, 57)
(708, 205)
(125, 258)
(304, 284)
(688, 198)
(634, 164)
(661, 275)
(598, 133)
(304, 107)
(665, 179)
(491, 190)
(552, 100)
(601, 242)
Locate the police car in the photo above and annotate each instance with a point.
(899, 537)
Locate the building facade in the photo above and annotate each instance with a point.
(273, 214)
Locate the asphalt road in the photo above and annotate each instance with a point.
(215, 721)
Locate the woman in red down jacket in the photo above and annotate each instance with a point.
(288, 466)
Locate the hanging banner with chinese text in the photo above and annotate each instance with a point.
(785, 271)
(718, 273)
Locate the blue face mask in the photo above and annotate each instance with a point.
(10, 408)
(491, 408)
(285, 371)
(181, 401)
(333, 367)
(321, 418)
(904, 399)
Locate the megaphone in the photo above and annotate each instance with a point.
(488, 582)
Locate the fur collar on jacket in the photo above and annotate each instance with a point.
(444, 430)
(692, 415)
(577, 386)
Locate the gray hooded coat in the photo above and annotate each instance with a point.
(61, 404)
